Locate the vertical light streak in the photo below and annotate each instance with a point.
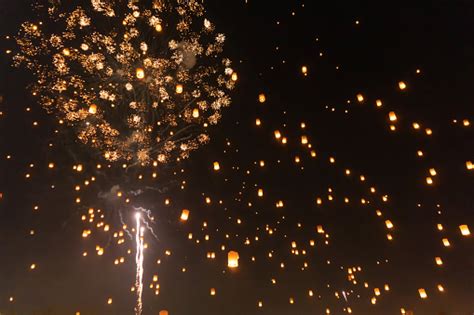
(139, 236)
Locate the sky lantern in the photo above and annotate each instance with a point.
(440, 288)
(234, 76)
(277, 134)
(92, 109)
(262, 98)
(360, 98)
(179, 89)
(260, 192)
(402, 85)
(185, 215)
(446, 242)
(163, 313)
(429, 180)
(304, 70)
(217, 166)
(469, 165)
(392, 116)
(213, 292)
(304, 140)
(422, 293)
(428, 131)
(433, 172)
(389, 224)
(439, 261)
(378, 103)
(196, 113)
(140, 73)
(233, 259)
(109, 301)
(465, 230)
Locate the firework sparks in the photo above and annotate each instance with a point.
(139, 258)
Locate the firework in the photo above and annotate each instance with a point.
(138, 81)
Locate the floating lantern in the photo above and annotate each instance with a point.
(392, 116)
(140, 73)
(92, 109)
(422, 293)
(262, 98)
(185, 215)
(179, 89)
(233, 259)
(465, 230)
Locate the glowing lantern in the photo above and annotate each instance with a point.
(277, 134)
(262, 98)
(92, 109)
(179, 89)
(360, 98)
(320, 229)
(446, 242)
(258, 122)
(429, 180)
(377, 291)
(433, 172)
(234, 77)
(217, 166)
(440, 288)
(466, 122)
(109, 301)
(304, 70)
(465, 230)
(304, 140)
(260, 192)
(184, 215)
(416, 125)
(389, 224)
(378, 103)
(233, 259)
(195, 113)
(66, 52)
(422, 293)
(439, 261)
(428, 131)
(158, 28)
(213, 292)
(469, 165)
(140, 73)
(402, 85)
(392, 116)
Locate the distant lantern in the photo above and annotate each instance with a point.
(234, 76)
(469, 165)
(465, 230)
(378, 103)
(402, 85)
(422, 293)
(109, 301)
(217, 166)
(163, 313)
(320, 229)
(304, 70)
(392, 116)
(262, 98)
(140, 73)
(446, 242)
(213, 292)
(179, 89)
(277, 134)
(258, 122)
(389, 224)
(196, 113)
(260, 192)
(429, 180)
(185, 215)
(92, 109)
(304, 140)
(428, 131)
(233, 259)
(439, 261)
(158, 28)
(377, 291)
(440, 288)
(360, 98)
(433, 172)
(416, 126)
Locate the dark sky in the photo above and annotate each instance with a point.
(350, 48)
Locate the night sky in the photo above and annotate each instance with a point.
(416, 57)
